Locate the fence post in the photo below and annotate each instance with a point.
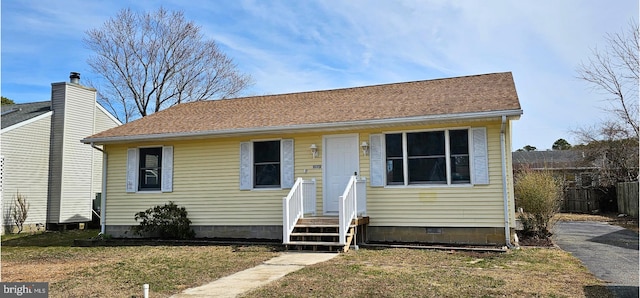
(627, 195)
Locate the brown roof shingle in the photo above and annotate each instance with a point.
(461, 95)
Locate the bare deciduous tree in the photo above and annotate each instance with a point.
(154, 60)
(612, 144)
(614, 71)
(611, 148)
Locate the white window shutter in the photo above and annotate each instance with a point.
(376, 159)
(480, 156)
(245, 166)
(132, 170)
(167, 169)
(287, 163)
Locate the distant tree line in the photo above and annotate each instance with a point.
(7, 101)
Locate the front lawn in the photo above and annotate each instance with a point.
(121, 271)
(539, 272)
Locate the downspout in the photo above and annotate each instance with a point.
(103, 196)
(505, 196)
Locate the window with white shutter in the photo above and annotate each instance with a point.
(267, 164)
(150, 169)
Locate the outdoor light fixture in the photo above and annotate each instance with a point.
(365, 148)
(314, 150)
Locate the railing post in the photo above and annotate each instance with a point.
(341, 217)
(285, 221)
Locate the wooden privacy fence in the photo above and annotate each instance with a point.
(581, 200)
(628, 198)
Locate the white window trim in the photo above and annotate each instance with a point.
(405, 160)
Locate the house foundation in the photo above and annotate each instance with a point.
(366, 234)
(222, 232)
(435, 235)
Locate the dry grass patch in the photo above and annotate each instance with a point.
(425, 273)
(580, 217)
(121, 271)
(625, 222)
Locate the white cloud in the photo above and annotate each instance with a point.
(290, 46)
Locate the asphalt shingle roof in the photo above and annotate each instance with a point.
(16, 113)
(547, 159)
(469, 94)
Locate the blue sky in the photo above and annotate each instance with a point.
(291, 46)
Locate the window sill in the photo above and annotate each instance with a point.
(149, 191)
(430, 186)
(267, 189)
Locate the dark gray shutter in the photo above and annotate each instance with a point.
(287, 163)
(376, 159)
(245, 166)
(480, 156)
(132, 169)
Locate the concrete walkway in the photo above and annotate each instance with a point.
(610, 252)
(240, 282)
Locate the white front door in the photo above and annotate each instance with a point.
(340, 157)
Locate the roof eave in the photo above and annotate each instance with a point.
(512, 114)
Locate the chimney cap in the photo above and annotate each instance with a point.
(75, 77)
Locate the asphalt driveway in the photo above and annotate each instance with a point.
(610, 252)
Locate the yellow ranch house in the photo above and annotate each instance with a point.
(415, 162)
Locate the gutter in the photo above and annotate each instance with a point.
(103, 196)
(505, 196)
(305, 127)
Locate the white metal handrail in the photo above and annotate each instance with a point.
(295, 204)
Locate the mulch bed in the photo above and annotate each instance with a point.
(534, 241)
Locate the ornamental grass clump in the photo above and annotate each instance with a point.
(538, 193)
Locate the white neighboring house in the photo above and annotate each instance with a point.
(43, 159)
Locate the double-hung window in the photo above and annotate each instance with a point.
(459, 156)
(431, 157)
(150, 168)
(266, 164)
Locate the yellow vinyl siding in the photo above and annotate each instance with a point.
(206, 182)
(443, 206)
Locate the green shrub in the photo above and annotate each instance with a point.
(538, 193)
(166, 222)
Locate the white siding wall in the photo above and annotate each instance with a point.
(26, 166)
